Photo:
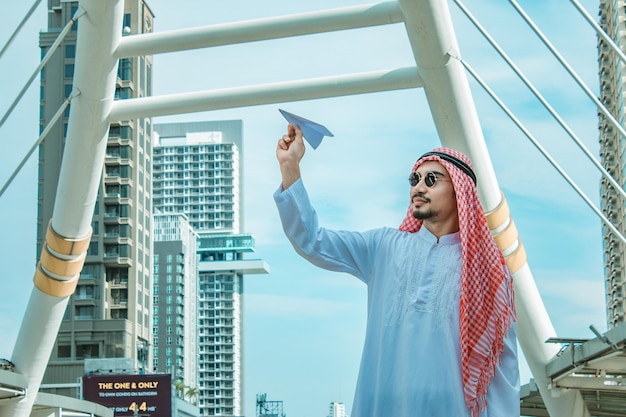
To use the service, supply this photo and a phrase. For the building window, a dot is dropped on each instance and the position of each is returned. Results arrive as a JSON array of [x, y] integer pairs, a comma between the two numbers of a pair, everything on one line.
[[90, 271], [93, 249], [64, 351], [70, 51], [119, 313], [127, 21], [69, 71], [88, 351], [125, 69], [84, 312]]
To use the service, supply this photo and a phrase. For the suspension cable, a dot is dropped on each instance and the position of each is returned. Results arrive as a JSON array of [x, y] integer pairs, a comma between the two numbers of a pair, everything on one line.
[[601, 32], [542, 100], [43, 62], [38, 142], [29, 13], [537, 145], [616, 124]]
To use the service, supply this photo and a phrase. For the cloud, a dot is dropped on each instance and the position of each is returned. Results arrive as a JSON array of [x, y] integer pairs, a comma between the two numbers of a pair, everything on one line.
[[573, 300]]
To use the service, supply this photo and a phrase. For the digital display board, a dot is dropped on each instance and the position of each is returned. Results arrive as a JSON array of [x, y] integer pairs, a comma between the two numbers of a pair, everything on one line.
[[131, 395]]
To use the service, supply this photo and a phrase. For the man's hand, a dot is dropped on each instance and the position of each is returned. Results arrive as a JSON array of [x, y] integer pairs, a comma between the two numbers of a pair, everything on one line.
[[289, 152]]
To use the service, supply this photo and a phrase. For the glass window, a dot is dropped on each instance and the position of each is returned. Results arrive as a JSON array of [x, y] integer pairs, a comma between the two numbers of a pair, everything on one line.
[[84, 312], [90, 271], [125, 132], [69, 70], [64, 351], [88, 351], [70, 51], [127, 20], [125, 69], [93, 249], [75, 25]]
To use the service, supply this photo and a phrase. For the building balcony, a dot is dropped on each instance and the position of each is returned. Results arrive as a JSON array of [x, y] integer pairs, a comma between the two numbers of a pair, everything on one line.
[[118, 284], [118, 303], [113, 259], [116, 140]]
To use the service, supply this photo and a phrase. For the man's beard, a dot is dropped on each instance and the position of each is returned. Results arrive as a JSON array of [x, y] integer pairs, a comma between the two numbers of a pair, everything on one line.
[[423, 215]]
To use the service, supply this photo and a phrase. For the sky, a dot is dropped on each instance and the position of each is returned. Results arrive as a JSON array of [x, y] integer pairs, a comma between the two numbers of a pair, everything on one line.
[[304, 327]]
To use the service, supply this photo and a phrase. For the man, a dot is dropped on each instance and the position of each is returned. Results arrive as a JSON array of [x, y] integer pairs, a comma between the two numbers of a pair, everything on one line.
[[440, 337]]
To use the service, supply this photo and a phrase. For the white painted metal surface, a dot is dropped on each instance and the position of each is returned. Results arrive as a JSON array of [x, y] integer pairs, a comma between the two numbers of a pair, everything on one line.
[[375, 81]]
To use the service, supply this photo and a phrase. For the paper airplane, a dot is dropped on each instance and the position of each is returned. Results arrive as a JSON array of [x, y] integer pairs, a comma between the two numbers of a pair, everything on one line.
[[311, 131]]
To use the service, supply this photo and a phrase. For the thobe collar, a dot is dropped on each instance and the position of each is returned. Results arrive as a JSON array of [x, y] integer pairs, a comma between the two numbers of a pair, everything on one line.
[[450, 239]]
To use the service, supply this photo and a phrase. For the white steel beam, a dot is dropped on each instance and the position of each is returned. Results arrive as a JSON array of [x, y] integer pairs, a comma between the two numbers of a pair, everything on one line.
[[260, 29], [68, 234], [385, 80]]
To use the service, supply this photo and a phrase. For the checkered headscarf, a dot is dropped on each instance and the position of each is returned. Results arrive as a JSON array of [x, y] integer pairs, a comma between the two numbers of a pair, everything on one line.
[[486, 300]]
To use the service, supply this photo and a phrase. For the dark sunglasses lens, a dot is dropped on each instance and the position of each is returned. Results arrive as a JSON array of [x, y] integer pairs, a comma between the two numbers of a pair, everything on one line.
[[430, 179], [414, 179]]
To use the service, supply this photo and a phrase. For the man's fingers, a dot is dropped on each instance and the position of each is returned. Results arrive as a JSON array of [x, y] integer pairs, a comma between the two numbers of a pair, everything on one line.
[[284, 142], [291, 131]]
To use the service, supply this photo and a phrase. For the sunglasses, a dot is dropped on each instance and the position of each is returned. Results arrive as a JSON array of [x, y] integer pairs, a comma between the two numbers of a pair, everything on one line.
[[430, 179]]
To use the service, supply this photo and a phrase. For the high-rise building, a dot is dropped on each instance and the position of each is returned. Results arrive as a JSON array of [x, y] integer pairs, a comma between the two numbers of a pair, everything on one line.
[[174, 299], [197, 172], [110, 314], [613, 154], [337, 409]]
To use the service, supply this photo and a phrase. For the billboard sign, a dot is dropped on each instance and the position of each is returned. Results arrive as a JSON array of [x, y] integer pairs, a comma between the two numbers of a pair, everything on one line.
[[131, 395]]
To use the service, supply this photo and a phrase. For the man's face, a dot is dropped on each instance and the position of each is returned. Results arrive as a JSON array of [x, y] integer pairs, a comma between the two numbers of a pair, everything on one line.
[[435, 204]]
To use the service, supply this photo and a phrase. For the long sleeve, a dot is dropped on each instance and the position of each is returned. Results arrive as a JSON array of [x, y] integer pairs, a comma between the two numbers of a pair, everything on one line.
[[340, 251]]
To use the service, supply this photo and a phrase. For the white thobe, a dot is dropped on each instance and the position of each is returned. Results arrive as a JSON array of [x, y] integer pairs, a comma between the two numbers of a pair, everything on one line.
[[411, 363]]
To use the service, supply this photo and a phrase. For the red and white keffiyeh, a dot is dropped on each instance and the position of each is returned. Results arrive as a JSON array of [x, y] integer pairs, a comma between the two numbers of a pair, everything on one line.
[[486, 301]]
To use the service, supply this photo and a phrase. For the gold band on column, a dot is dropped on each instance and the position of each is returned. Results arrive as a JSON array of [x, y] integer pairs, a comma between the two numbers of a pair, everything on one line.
[[517, 259], [54, 287], [64, 245], [60, 263], [508, 236], [498, 215], [62, 267]]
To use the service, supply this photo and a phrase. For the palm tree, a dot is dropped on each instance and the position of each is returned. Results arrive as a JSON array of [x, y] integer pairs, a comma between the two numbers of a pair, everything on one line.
[[179, 386], [192, 395]]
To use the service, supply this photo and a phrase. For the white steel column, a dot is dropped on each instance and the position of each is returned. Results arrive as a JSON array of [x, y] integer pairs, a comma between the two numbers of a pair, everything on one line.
[[436, 51], [68, 235]]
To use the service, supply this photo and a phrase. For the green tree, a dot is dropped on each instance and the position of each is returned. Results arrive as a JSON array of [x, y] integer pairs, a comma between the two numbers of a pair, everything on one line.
[[192, 395]]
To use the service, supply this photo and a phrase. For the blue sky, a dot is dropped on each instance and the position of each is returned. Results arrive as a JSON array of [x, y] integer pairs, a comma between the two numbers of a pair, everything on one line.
[[304, 327]]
